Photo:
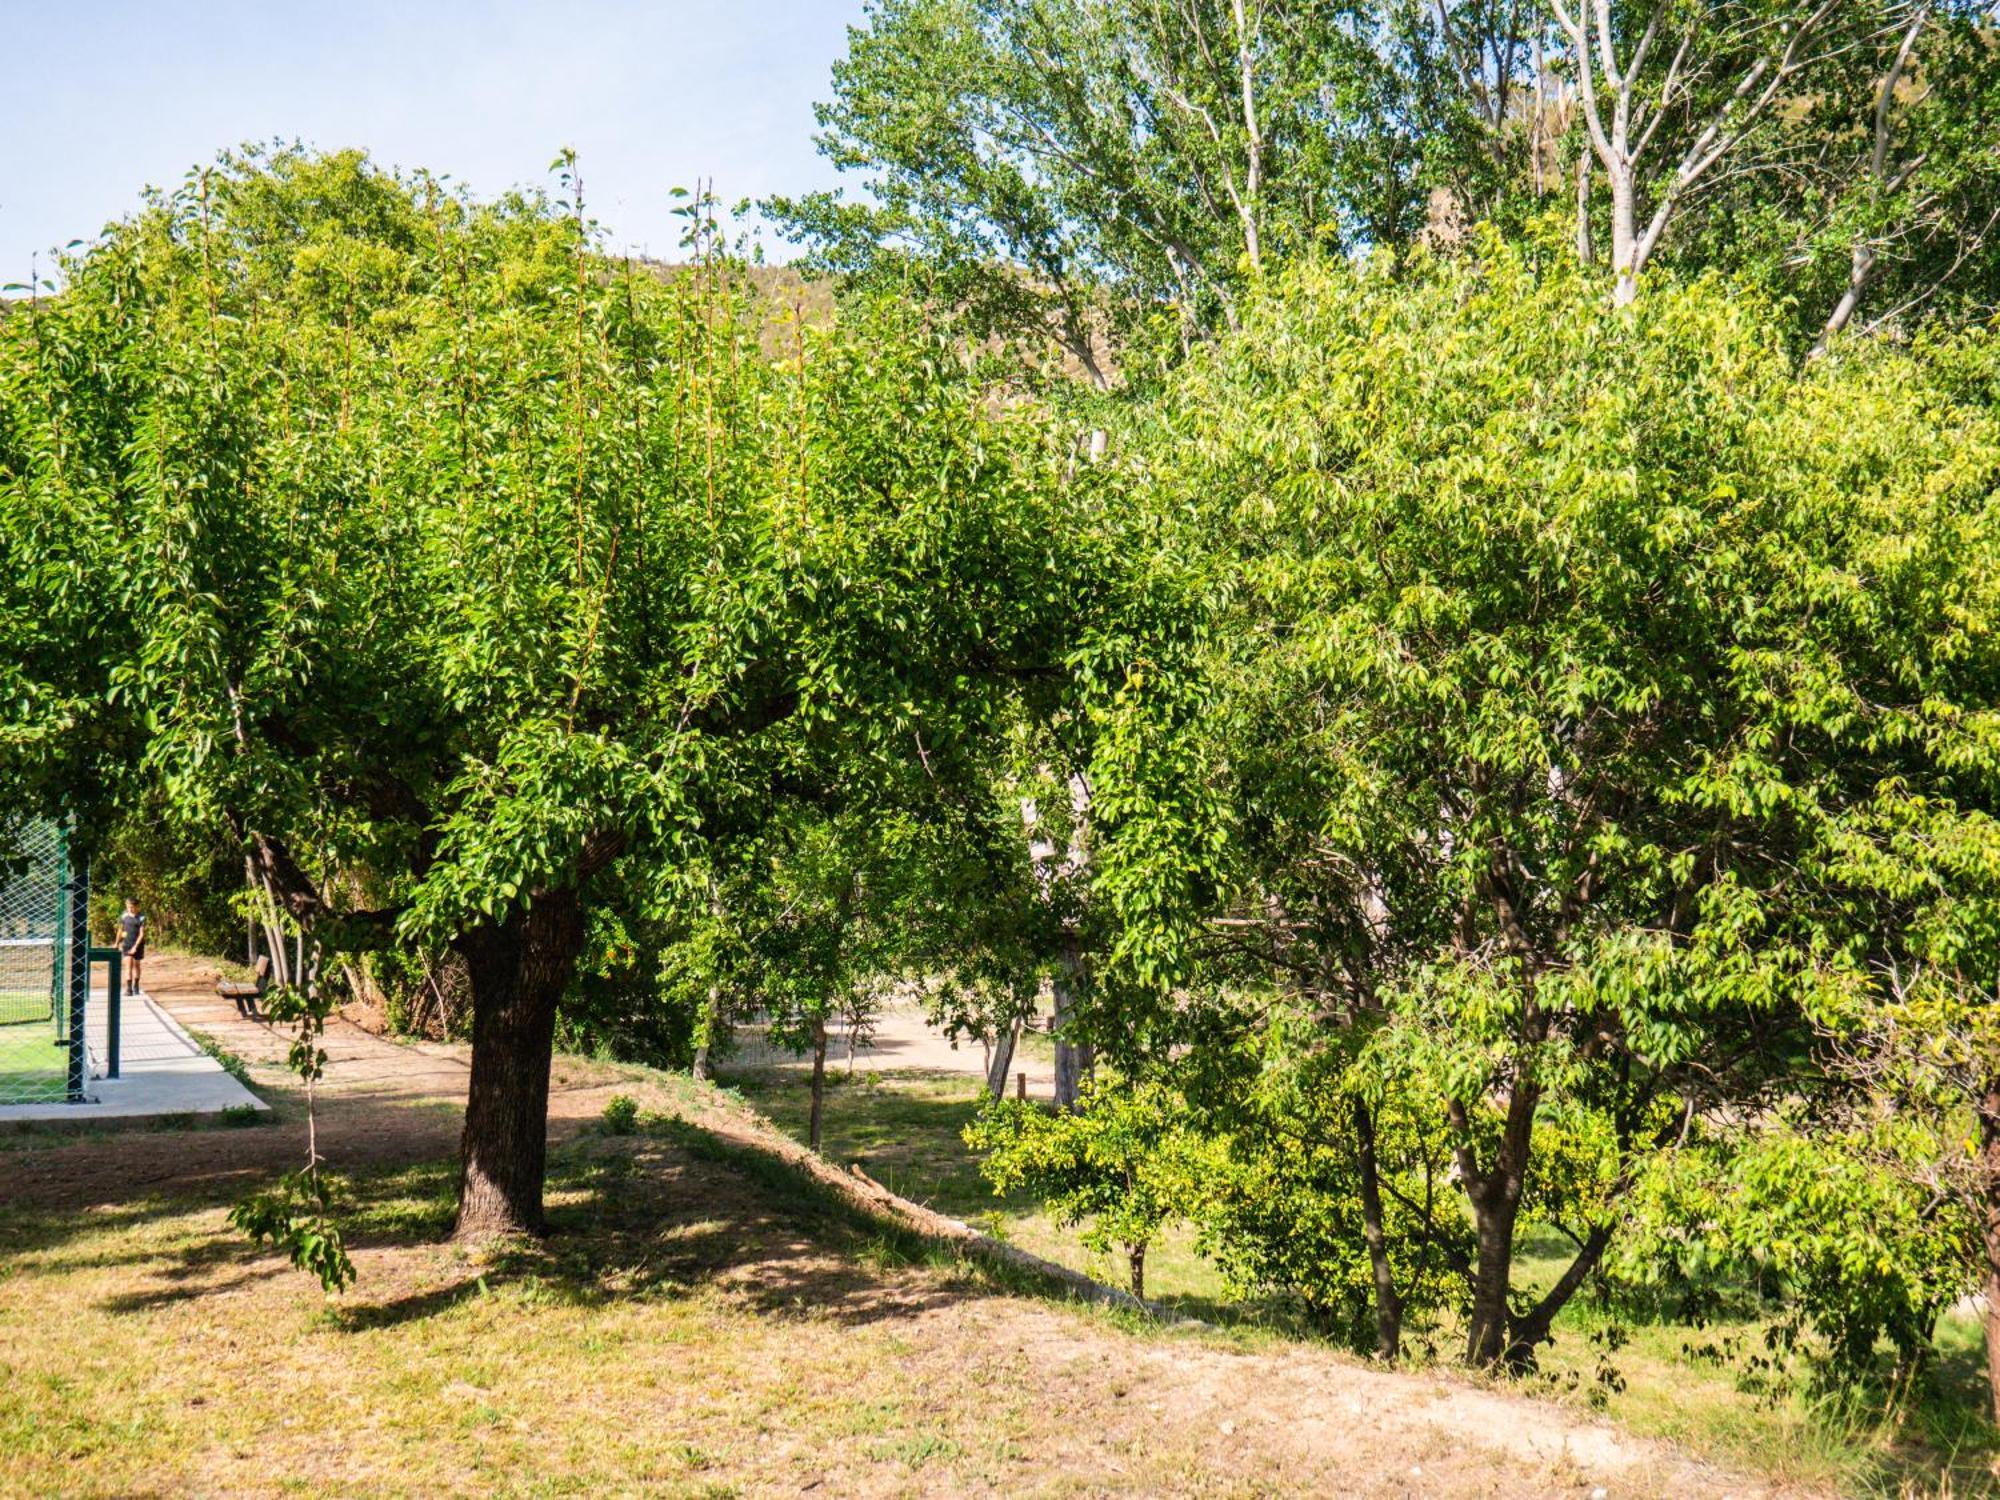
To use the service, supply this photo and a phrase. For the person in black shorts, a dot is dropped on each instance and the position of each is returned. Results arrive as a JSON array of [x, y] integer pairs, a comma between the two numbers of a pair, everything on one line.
[[132, 942]]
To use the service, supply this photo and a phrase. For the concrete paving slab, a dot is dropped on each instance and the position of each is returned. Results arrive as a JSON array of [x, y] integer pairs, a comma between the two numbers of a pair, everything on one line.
[[163, 1071]]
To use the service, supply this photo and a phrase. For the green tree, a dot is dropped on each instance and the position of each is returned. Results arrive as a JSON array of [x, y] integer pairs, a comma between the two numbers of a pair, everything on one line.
[[1120, 1163], [1844, 150], [460, 574], [1065, 170], [1557, 644]]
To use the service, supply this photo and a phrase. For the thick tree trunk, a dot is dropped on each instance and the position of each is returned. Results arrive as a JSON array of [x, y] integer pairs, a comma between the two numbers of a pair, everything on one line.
[[1388, 1302], [1001, 1060], [818, 1083], [1624, 238], [1136, 1254], [518, 971], [1487, 1339], [1495, 1197]]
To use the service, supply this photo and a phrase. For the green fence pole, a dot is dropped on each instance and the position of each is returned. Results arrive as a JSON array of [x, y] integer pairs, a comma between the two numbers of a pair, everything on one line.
[[79, 978], [114, 1001], [58, 930]]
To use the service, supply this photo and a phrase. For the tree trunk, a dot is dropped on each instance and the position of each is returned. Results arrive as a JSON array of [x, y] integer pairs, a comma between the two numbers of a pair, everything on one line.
[[1583, 251], [1388, 1302], [1001, 1060], [518, 971], [818, 1082], [1071, 1060], [1495, 1197], [1137, 1255], [1488, 1338], [1624, 238], [1989, 1163], [704, 1033]]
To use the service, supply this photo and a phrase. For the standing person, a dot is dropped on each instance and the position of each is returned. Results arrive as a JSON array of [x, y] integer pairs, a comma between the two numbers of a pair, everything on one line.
[[132, 942]]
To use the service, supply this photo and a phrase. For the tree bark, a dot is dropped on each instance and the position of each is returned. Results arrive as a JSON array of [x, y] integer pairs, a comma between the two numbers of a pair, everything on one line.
[[818, 1082], [1136, 1254], [1071, 1060], [1495, 1196], [518, 971], [1989, 1164], [1388, 1302], [1624, 238], [1583, 247], [1001, 1060], [1487, 1339]]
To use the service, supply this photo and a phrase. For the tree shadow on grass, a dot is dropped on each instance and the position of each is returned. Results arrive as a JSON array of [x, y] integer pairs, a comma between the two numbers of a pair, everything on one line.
[[672, 1211], [678, 1209]]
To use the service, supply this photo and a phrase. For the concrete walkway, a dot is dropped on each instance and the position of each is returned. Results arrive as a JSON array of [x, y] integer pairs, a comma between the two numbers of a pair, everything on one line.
[[162, 1071]]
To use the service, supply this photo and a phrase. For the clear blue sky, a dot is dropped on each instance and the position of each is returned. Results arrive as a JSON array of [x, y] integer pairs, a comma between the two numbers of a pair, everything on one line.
[[104, 97]]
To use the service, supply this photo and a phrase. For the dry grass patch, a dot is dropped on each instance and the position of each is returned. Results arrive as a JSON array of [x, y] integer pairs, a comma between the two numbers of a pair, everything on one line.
[[712, 1315]]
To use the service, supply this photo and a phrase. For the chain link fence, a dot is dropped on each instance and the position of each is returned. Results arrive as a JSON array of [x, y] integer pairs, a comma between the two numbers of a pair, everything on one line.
[[42, 992]]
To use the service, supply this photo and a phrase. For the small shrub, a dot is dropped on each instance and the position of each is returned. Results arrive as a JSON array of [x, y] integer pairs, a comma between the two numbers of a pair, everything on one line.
[[621, 1114], [236, 1116]]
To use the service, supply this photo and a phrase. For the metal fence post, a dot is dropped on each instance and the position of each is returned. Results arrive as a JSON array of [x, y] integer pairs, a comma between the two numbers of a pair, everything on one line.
[[78, 886], [114, 1003]]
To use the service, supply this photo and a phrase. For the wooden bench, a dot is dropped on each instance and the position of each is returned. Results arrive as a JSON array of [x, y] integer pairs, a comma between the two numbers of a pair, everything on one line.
[[246, 996]]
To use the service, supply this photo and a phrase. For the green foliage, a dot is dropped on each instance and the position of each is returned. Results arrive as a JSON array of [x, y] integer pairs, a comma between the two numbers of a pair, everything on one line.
[[1121, 1163], [1557, 657], [1807, 1217], [1285, 1107], [445, 568], [1072, 170], [1117, 178], [621, 1114], [296, 1215], [557, 523]]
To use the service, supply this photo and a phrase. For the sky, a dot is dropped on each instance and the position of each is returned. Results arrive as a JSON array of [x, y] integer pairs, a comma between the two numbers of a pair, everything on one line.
[[111, 96]]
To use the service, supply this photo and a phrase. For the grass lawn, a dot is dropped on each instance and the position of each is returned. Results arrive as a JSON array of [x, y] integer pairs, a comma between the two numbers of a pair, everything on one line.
[[708, 1318], [1692, 1385], [32, 1066]]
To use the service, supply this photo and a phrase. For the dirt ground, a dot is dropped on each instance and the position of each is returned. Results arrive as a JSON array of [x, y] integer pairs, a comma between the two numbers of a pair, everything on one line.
[[382, 1102], [900, 1040], [687, 1330]]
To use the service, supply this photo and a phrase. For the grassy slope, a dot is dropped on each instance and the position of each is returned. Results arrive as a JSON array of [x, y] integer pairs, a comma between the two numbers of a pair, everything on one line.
[[709, 1318], [1679, 1382]]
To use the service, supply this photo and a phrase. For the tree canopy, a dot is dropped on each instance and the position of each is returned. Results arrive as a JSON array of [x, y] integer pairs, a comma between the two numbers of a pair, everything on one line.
[[461, 572]]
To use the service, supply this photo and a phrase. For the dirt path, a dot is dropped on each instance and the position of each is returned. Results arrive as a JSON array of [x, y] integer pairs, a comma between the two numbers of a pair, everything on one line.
[[381, 1103], [1278, 1420], [903, 1040]]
